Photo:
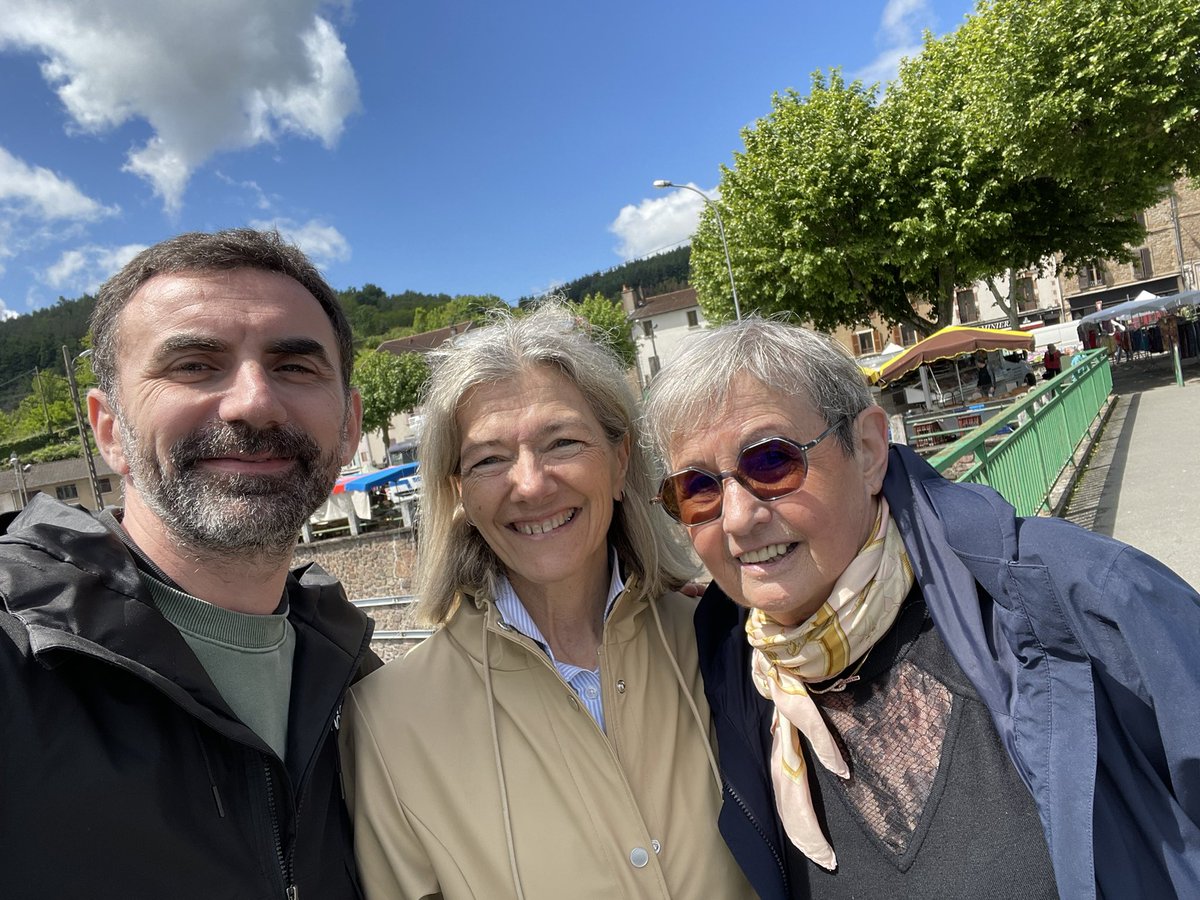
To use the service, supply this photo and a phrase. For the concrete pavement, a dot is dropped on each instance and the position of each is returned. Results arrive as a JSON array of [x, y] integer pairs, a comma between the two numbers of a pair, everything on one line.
[[1142, 482]]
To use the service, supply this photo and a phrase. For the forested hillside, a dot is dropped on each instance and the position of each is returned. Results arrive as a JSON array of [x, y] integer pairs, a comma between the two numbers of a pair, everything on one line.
[[35, 341], [655, 275]]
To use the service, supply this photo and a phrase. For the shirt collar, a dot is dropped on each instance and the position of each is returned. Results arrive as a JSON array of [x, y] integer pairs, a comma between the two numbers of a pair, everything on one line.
[[513, 612]]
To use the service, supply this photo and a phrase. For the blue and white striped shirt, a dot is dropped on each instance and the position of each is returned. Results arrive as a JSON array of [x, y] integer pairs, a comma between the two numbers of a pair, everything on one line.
[[584, 682]]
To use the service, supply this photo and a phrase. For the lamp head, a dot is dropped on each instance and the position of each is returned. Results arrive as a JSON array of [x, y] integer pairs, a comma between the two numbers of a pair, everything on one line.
[[662, 183]]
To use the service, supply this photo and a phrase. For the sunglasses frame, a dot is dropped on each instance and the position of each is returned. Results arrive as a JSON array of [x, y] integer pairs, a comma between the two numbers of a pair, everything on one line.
[[721, 477]]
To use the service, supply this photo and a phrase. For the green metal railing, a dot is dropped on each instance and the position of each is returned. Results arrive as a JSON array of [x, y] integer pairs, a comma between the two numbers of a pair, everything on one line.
[[1023, 449]]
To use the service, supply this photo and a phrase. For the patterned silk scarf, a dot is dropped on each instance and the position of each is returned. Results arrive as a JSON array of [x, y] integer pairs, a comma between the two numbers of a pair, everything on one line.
[[863, 606]]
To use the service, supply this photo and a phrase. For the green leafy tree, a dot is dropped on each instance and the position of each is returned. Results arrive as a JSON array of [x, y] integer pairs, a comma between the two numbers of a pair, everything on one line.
[[463, 308], [45, 409], [389, 383], [1039, 128], [807, 228], [610, 326]]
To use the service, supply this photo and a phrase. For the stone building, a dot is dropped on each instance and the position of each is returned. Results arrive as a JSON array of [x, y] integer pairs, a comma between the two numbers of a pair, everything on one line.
[[1167, 262]]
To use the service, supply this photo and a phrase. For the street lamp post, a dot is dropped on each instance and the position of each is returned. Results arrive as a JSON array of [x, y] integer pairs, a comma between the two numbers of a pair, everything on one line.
[[663, 183], [69, 364], [19, 471]]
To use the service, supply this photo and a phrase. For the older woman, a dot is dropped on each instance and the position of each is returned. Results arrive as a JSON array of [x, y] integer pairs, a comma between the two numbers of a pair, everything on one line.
[[551, 739], [947, 700]]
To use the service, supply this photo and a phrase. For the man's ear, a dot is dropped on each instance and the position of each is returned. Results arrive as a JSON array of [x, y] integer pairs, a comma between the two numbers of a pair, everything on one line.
[[109, 439], [353, 427], [872, 433]]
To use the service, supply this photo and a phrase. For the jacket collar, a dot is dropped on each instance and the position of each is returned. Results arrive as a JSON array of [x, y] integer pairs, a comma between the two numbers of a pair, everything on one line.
[[475, 611]]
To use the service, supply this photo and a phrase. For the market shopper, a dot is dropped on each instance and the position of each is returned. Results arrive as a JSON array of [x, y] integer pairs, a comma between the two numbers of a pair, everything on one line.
[[169, 689], [1052, 361], [551, 739], [916, 692]]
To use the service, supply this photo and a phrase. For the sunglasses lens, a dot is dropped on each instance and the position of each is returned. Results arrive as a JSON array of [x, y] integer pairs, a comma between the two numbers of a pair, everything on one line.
[[773, 468], [692, 497]]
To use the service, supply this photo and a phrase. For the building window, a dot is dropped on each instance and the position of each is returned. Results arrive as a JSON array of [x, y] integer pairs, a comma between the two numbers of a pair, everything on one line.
[[66, 492], [1140, 218], [864, 341], [655, 366], [693, 319], [647, 328], [105, 485], [1091, 275], [908, 336], [968, 306], [1026, 294], [1142, 266]]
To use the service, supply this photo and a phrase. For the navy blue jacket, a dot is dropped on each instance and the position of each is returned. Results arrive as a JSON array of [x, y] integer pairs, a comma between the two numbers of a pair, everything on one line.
[[1084, 651]]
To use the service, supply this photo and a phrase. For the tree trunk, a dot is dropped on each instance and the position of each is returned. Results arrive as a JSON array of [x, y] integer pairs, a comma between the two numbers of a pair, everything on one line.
[[1008, 305]]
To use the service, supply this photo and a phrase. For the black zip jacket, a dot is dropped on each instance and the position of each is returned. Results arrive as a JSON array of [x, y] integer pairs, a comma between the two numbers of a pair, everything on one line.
[[123, 772]]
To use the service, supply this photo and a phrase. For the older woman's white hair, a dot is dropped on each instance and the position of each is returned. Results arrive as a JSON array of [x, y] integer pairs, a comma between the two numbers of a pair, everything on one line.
[[454, 558], [789, 360]]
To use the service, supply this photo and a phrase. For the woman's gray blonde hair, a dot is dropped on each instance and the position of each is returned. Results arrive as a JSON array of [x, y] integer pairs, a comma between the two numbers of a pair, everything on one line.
[[452, 557], [786, 359]]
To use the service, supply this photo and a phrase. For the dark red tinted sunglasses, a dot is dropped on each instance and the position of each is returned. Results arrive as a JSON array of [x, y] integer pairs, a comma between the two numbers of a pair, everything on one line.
[[769, 469]]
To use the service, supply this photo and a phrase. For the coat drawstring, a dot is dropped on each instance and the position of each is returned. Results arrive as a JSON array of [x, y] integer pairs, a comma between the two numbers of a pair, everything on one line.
[[212, 781], [491, 705], [686, 690]]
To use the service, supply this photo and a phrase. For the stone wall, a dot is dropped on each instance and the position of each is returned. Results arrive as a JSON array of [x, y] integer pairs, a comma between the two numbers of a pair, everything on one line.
[[378, 564]]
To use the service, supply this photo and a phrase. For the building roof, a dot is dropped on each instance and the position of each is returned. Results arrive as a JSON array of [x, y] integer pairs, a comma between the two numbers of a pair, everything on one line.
[[665, 303], [426, 340], [48, 475]]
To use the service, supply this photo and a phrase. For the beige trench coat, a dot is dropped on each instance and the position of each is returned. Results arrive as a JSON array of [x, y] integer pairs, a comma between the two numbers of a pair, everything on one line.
[[630, 814]]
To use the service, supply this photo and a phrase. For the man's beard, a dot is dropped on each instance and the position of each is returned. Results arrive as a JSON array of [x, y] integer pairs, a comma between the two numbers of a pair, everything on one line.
[[220, 512]]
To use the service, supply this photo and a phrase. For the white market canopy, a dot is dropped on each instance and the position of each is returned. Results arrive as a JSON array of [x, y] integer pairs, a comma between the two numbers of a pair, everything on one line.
[[1141, 304]]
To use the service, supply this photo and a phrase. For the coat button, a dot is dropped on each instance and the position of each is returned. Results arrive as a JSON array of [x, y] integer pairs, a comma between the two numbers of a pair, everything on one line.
[[657, 847], [621, 686], [573, 701], [639, 857]]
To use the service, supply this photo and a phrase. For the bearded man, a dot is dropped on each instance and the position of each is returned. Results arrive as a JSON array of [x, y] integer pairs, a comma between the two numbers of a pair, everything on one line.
[[170, 691]]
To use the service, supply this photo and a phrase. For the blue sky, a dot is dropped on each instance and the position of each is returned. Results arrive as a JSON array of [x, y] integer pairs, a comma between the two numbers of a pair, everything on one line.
[[461, 147]]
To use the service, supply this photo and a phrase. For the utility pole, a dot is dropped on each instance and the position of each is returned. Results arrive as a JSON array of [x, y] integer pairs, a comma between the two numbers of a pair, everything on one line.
[[41, 389], [83, 439]]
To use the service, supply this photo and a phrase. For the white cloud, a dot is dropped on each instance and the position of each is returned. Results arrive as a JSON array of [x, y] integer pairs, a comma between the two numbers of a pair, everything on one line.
[[261, 200], [323, 243], [899, 35], [658, 223], [35, 192], [84, 269], [6, 313], [38, 206], [211, 76]]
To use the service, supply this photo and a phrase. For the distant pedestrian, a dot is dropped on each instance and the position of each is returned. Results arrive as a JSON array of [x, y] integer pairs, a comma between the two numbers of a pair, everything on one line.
[[983, 379], [1121, 338], [1052, 361]]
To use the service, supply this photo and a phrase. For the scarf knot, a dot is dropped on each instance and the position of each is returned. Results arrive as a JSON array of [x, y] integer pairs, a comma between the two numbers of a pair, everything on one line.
[[862, 607]]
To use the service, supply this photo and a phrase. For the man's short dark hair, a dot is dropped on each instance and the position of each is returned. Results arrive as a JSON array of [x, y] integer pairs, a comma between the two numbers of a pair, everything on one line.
[[201, 252]]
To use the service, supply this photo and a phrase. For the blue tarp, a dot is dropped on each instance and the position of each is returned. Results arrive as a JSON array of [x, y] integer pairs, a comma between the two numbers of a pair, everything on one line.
[[378, 479]]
